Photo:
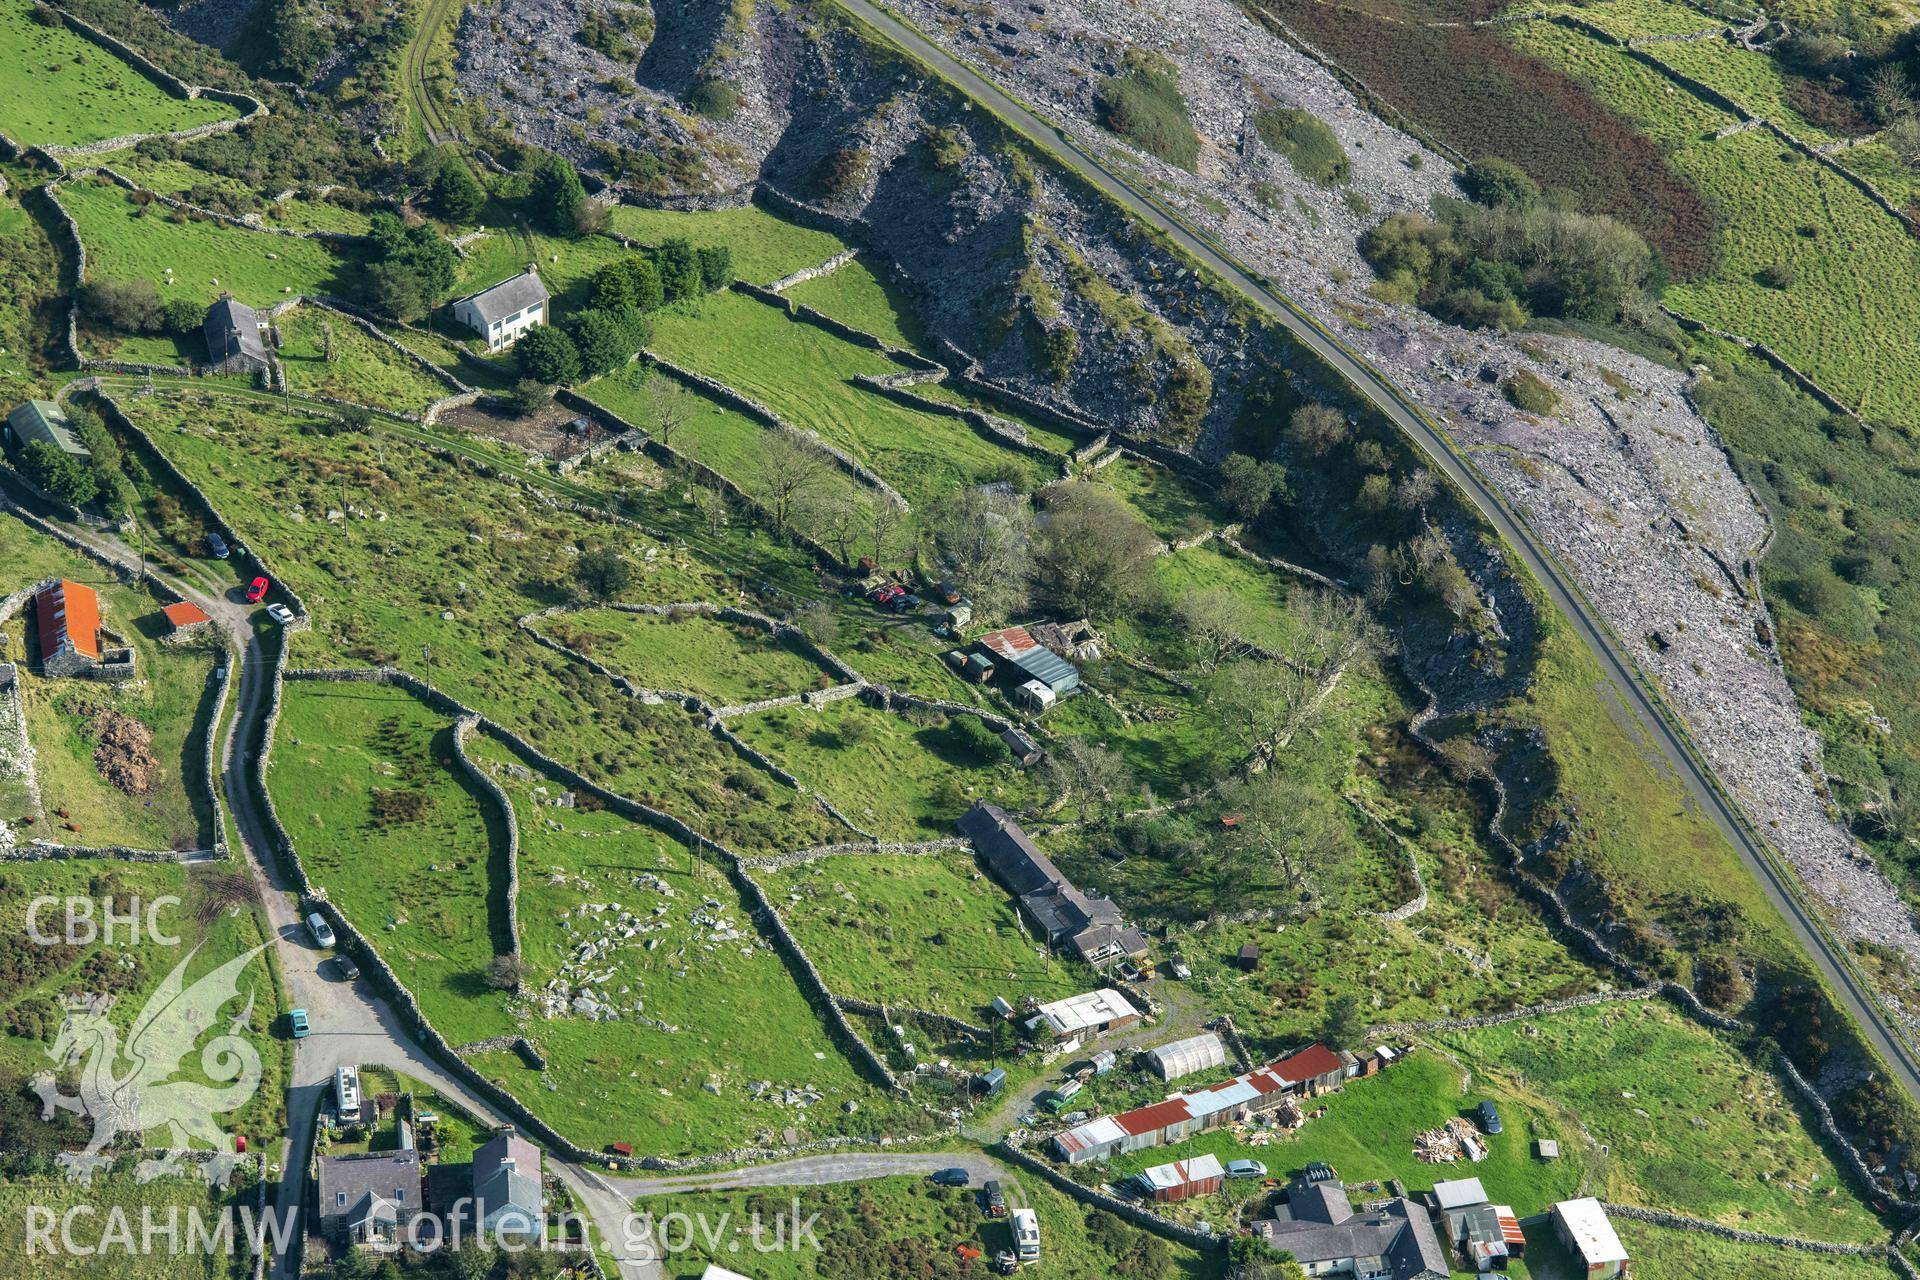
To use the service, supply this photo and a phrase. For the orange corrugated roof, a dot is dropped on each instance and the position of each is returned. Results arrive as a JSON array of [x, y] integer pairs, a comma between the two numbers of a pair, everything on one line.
[[1010, 642], [185, 614], [69, 614]]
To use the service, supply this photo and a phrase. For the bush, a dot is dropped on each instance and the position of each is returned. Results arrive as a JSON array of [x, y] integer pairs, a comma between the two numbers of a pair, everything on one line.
[[546, 354], [1528, 391], [603, 573], [59, 473], [631, 281], [605, 340], [182, 315], [679, 265], [530, 396], [842, 172], [716, 267], [1307, 143], [1500, 184], [1778, 275], [130, 306], [555, 198], [714, 99], [1144, 105], [456, 194]]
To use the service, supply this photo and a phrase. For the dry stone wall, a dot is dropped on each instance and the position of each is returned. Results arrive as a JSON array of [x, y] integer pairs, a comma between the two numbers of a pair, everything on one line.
[[462, 728]]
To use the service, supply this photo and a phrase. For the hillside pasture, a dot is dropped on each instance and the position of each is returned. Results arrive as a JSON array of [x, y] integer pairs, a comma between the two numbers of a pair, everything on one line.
[[57, 88], [727, 663], [362, 369], [855, 294], [930, 932], [895, 778], [411, 851], [128, 240], [765, 246], [805, 374], [699, 996]]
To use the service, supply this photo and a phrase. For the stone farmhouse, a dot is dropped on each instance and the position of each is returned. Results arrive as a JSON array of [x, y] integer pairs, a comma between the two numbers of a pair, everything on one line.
[[369, 1200], [1327, 1236], [234, 343], [1085, 924], [502, 312]]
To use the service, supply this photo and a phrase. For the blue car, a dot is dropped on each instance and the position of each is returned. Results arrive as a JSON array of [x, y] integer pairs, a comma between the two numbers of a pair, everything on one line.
[[950, 1178], [217, 545], [297, 1023], [1489, 1118]]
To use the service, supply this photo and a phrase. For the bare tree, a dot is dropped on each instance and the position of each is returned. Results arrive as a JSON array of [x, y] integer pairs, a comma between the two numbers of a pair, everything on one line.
[[714, 508], [885, 522], [844, 519], [672, 409], [790, 470], [1090, 776], [984, 540], [1288, 838], [1264, 705], [1094, 554], [1216, 624]]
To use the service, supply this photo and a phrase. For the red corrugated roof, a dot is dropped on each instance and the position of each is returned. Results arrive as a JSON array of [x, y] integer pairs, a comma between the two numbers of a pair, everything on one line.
[[1010, 642], [1154, 1118], [1510, 1227], [186, 614], [69, 614], [1310, 1063]]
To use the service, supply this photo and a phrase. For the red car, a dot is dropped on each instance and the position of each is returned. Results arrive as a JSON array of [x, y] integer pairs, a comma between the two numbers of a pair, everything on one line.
[[257, 590]]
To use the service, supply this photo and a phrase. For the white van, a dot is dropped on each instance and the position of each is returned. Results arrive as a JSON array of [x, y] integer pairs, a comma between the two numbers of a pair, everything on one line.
[[1026, 1235], [322, 931]]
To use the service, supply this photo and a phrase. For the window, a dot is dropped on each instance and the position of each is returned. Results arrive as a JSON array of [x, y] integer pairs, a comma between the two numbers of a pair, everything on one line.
[[399, 1195], [340, 1199]]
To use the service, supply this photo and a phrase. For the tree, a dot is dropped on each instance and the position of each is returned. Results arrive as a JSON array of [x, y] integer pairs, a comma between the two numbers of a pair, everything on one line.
[[672, 409], [628, 282], [1500, 183], [789, 470], [1216, 625], [455, 193], [716, 267], [396, 290], [844, 521], [605, 340], [1262, 705], [547, 354], [503, 972], [1093, 554], [603, 572], [983, 540], [714, 507], [555, 196], [817, 622], [1093, 778], [529, 396], [59, 473], [1345, 1023], [1248, 485], [1289, 837], [1889, 93], [679, 265], [1315, 429], [130, 306], [182, 315]]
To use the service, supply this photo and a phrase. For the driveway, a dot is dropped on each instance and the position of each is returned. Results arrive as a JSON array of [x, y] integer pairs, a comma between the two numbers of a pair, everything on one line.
[[820, 1171]]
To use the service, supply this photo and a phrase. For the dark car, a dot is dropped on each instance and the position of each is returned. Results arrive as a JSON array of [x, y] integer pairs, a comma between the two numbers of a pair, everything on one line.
[[217, 546], [1489, 1118], [950, 1178], [994, 1199]]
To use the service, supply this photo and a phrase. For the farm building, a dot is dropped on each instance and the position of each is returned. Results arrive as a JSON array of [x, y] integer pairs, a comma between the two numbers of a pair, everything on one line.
[[1180, 1179], [185, 618], [1583, 1227], [234, 344], [1087, 1015], [502, 312], [1088, 925], [1186, 1114], [1318, 1225], [370, 1199], [1489, 1235], [1249, 957], [1203, 1052], [1025, 750], [45, 422], [1025, 661], [73, 640]]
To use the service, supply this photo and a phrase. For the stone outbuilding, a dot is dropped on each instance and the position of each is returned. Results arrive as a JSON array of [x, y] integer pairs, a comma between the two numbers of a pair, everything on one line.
[[73, 639], [234, 343]]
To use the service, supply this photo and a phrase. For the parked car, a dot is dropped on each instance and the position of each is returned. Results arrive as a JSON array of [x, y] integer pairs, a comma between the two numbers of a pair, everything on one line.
[[322, 931], [297, 1023], [955, 1177], [217, 546], [1489, 1118], [994, 1199], [1246, 1169], [257, 590], [347, 968], [280, 614]]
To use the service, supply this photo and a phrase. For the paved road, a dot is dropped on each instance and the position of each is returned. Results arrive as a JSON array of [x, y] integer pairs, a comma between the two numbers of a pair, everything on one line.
[[817, 1171], [1397, 406]]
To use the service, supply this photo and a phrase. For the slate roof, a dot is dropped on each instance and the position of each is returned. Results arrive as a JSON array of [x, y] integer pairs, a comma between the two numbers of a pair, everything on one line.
[[44, 420], [506, 1176], [508, 297], [1011, 855], [232, 329], [382, 1188], [1399, 1231]]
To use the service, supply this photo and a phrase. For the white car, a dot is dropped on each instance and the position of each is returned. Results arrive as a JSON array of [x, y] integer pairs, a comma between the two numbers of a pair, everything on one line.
[[1246, 1169], [280, 614], [322, 931]]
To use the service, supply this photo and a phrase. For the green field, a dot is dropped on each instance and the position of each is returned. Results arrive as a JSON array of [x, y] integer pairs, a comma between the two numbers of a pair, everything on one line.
[[58, 88], [1688, 1255], [1749, 77], [1172, 505], [1633, 19], [363, 369], [723, 1010], [854, 294], [457, 538], [171, 694], [899, 780], [929, 932], [764, 246], [115, 1203], [177, 177], [727, 663], [804, 374], [914, 1226], [402, 841], [128, 241], [1846, 315], [1705, 1134]]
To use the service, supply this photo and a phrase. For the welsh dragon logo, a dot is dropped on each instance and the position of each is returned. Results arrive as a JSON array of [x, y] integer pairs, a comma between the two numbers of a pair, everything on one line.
[[146, 1097]]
